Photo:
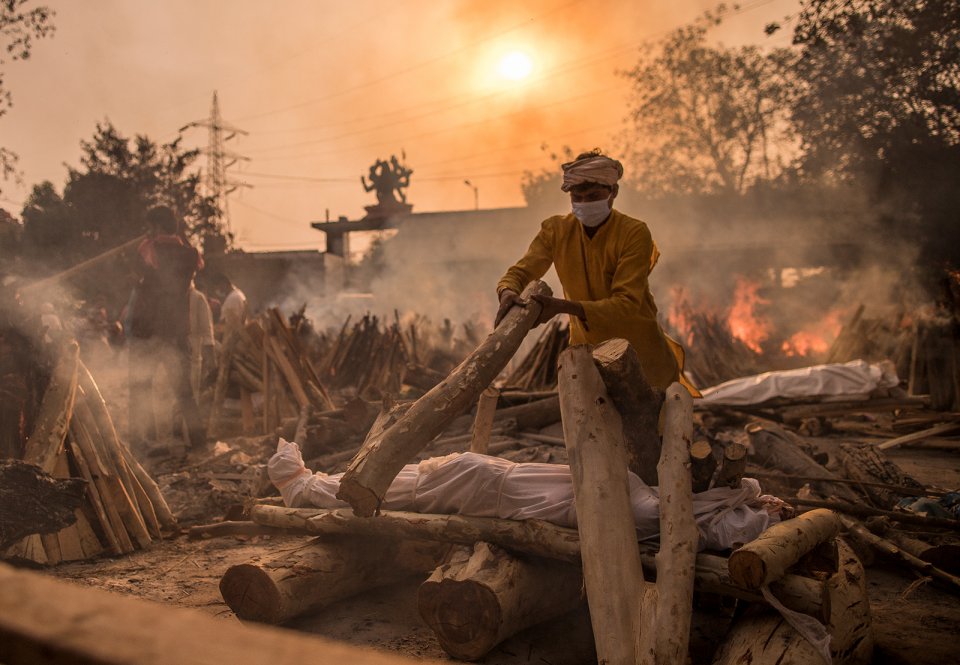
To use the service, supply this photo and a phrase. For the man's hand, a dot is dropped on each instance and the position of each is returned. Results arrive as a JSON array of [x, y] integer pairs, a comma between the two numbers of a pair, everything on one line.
[[553, 306], [508, 298]]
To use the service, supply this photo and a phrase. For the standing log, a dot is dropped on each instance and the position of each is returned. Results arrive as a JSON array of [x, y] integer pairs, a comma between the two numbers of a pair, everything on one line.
[[322, 572], [483, 423], [733, 465], [598, 465], [760, 636], [773, 449], [636, 401], [847, 609], [702, 465], [380, 459], [768, 557], [46, 442], [483, 595], [665, 636]]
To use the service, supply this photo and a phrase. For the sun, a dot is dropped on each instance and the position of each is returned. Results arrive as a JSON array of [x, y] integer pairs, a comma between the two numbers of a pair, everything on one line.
[[515, 66]]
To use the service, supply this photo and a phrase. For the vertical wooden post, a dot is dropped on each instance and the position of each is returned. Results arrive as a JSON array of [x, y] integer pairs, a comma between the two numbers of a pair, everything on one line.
[[483, 422], [608, 536]]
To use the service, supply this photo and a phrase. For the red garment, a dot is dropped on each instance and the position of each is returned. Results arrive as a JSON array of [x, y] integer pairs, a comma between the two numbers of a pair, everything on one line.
[[161, 306]]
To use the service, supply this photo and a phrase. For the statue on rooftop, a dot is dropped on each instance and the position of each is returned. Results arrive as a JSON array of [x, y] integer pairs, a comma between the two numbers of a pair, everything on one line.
[[388, 179]]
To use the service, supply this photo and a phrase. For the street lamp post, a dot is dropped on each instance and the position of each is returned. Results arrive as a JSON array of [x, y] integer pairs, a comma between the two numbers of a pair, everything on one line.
[[476, 194]]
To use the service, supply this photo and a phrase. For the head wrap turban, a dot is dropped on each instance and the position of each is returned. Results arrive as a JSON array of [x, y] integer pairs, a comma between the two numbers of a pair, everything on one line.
[[596, 168]]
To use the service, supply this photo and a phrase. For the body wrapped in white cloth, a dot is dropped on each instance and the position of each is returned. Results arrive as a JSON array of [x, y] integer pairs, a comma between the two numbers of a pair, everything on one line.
[[484, 486]]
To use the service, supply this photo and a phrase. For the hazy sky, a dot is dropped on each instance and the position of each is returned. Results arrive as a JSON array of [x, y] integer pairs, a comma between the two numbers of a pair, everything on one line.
[[325, 88]]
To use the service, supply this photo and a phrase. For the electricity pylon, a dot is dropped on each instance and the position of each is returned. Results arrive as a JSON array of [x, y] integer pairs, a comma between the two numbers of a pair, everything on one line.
[[218, 185]]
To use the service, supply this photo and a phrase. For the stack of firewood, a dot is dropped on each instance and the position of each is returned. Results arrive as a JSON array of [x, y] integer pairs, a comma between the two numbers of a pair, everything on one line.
[[538, 369], [713, 354], [367, 358], [74, 436], [874, 340], [266, 356]]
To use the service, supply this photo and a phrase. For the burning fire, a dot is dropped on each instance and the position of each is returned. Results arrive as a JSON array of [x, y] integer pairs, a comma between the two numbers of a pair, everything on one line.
[[743, 320], [678, 314], [817, 339]]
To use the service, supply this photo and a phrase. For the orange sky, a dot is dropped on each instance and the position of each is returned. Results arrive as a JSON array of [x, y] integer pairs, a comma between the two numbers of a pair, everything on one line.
[[325, 88]]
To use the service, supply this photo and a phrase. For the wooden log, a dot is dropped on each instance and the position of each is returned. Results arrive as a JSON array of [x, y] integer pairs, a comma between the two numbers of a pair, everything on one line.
[[93, 493], [867, 463], [163, 512], [703, 464], [768, 557], [421, 377], [483, 422], [760, 636], [847, 609], [914, 437], [33, 502], [598, 466], [637, 403], [484, 595], [773, 449], [733, 465], [898, 489], [322, 572], [860, 533], [860, 510], [53, 419], [532, 537], [945, 556], [107, 628], [665, 635], [220, 386], [231, 528], [381, 458]]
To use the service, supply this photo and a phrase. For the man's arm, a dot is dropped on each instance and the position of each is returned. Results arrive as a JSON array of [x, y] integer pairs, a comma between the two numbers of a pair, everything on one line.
[[533, 265]]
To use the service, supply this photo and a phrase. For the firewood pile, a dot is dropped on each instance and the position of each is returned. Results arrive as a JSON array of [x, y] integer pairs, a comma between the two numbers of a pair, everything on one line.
[[369, 358], [538, 368], [73, 436], [713, 354]]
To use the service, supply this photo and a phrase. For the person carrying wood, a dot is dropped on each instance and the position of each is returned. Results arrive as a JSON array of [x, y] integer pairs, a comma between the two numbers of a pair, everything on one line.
[[604, 259], [160, 325]]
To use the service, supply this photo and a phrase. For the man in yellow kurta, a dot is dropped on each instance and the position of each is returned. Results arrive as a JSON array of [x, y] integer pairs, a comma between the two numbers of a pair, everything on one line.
[[604, 259]]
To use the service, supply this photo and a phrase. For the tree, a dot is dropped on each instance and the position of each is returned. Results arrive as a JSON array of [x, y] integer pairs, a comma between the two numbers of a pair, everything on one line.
[[707, 118], [104, 202], [878, 103], [19, 27]]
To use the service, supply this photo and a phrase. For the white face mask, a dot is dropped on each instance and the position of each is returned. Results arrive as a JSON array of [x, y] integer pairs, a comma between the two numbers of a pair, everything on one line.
[[592, 213]]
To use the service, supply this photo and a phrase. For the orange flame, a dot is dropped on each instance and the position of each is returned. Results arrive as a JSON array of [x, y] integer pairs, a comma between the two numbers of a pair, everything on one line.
[[817, 339], [678, 314], [743, 320]]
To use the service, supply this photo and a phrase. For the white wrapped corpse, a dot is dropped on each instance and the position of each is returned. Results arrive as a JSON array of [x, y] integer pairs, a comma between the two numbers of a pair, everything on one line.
[[484, 486]]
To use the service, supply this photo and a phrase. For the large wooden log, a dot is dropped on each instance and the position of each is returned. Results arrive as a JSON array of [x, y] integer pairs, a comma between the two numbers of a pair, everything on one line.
[[703, 463], [50, 621], [483, 595], [773, 448], [598, 465], [46, 441], [320, 573], [762, 637], [382, 457], [483, 421], [637, 403], [732, 466], [665, 635], [531, 537], [768, 557]]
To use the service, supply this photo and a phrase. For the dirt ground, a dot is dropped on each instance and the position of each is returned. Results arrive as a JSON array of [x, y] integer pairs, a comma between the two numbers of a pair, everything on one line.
[[914, 621]]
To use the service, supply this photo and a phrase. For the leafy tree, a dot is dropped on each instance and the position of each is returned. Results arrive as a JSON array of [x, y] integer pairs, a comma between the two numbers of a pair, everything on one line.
[[104, 201], [19, 27], [708, 118], [878, 103]]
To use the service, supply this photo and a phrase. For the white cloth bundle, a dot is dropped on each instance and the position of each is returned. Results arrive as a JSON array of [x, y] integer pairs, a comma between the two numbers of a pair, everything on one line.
[[483, 486]]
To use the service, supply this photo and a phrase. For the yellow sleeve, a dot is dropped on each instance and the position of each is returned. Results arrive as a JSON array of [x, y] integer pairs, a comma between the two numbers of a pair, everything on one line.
[[534, 264], [627, 288]]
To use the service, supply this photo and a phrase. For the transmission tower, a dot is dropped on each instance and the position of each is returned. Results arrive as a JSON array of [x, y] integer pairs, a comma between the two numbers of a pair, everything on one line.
[[219, 159]]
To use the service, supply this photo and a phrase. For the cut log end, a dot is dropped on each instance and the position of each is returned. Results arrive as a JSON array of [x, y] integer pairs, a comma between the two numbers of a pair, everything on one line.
[[252, 595], [464, 615], [364, 501], [750, 569]]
